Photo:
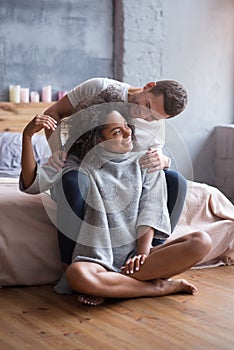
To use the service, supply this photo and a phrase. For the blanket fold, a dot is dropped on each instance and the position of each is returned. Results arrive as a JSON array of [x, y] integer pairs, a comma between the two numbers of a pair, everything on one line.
[[207, 209]]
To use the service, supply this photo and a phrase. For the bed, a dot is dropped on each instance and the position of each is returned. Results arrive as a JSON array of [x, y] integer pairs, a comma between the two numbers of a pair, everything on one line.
[[29, 253]]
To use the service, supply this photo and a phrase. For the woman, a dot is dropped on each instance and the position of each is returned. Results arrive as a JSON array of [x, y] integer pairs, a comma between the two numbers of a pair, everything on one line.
[[113, 256]]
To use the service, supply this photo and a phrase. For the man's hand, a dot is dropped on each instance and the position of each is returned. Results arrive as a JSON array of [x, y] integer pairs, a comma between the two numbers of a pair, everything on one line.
[[57, 160], [134, 264], [153, 160]]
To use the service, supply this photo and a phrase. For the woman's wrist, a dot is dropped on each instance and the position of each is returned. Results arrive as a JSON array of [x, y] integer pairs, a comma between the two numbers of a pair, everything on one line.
[[27, 135]]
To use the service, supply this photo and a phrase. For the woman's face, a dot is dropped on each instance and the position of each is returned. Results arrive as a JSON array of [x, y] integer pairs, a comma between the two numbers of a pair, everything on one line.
[[117, 135]]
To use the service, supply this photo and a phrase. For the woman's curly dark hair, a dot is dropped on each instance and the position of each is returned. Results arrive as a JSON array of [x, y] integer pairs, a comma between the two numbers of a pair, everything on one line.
[[91, 138]]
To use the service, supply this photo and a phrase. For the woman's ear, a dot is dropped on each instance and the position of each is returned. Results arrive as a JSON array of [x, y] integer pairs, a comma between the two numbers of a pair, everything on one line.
[[98, 135], [149, 85], [99, 140]]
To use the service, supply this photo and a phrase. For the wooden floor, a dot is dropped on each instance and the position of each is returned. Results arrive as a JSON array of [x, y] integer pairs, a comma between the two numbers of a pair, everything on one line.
[[36, 318]]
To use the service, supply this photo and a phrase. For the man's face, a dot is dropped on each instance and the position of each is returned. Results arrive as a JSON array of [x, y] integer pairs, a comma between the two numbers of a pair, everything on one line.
[[147, 106]]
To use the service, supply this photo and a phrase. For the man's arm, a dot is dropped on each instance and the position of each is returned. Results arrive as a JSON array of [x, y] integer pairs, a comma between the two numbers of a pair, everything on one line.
[[65, 107], [59, 110]]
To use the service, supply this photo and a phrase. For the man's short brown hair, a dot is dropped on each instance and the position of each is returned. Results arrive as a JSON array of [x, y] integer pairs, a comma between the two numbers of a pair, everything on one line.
[[175, 96]]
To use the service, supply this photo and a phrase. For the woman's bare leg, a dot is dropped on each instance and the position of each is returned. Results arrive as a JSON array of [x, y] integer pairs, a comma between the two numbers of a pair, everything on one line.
[[93, 279], [165, 261], [174, 257]]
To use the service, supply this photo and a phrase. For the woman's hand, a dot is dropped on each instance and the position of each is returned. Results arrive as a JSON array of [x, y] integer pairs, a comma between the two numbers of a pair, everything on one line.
[[154, 160], [38, 123], [134, 264]]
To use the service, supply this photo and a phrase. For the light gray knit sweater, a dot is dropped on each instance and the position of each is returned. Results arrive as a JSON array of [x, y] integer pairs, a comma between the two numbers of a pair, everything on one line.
[[121, 198]]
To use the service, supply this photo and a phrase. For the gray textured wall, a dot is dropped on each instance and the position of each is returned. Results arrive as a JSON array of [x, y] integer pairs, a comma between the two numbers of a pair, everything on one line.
[[199, 51], [192, 42], [63, 42], [143, 37], [56, 42]]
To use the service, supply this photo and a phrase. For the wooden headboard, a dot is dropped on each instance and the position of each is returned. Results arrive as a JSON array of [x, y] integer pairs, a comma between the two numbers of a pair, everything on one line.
[[14, 116]]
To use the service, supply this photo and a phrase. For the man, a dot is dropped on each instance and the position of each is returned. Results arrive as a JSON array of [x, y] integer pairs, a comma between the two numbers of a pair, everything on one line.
[[165, 99], [156, 100]]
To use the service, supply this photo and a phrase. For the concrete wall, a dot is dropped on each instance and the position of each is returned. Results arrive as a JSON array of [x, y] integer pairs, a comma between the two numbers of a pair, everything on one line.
[[65, 42], [56, 42], [143, 37], [224, 159], [192, 42]]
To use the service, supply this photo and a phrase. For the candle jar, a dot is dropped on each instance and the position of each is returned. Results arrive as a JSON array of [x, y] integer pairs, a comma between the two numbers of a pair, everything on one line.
[[24, 95], [14, 93], [47, 94], [34, 97]]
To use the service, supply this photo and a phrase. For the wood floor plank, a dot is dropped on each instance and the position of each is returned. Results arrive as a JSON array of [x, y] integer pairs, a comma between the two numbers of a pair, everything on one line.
[[37, 318]]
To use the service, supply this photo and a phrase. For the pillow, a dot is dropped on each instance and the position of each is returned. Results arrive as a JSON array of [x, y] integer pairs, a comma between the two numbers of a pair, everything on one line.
[[10, 152]]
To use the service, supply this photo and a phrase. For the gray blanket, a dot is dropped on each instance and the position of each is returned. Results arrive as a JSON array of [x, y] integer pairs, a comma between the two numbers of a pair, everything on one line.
[[121, 198]]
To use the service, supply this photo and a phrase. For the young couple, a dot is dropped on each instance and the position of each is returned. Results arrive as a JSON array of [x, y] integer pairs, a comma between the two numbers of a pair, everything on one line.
[[154, 102], [113, 255]]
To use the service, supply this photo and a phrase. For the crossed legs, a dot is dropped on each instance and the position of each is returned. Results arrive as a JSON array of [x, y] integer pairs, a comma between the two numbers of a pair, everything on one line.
[[153, 279]]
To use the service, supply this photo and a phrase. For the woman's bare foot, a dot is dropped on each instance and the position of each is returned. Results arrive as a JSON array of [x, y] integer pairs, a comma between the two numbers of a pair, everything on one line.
[[161, 287], [173, 286], [90, 300]]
